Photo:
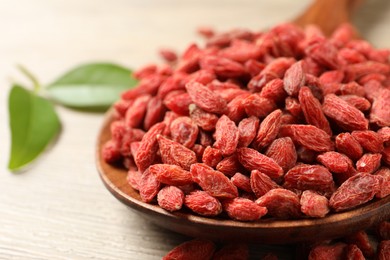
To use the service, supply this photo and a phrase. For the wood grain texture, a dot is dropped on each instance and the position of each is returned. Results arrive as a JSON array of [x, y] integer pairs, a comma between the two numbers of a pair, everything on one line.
[[59, 208]]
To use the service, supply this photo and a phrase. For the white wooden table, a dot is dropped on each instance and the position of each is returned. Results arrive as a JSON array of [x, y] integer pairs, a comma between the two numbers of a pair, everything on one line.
[[58, 208]]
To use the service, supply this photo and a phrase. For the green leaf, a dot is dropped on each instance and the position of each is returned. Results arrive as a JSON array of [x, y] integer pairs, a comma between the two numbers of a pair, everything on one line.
[[91, 85], [34, 123]]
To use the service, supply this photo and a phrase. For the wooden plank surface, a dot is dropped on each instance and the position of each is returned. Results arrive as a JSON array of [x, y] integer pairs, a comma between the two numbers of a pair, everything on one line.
[[58, 208]]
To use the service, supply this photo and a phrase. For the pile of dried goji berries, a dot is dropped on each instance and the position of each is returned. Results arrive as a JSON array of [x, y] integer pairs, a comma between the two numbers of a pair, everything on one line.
[[284, 123]]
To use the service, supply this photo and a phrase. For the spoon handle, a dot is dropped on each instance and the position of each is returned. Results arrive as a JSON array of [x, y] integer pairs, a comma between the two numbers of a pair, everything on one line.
[[328, 14]]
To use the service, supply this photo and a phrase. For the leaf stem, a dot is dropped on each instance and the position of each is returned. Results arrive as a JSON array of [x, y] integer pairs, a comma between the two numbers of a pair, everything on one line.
[[30, 76]]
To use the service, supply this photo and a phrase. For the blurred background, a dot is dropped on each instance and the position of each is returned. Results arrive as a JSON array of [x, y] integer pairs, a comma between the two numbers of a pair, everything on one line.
[[58, 208]]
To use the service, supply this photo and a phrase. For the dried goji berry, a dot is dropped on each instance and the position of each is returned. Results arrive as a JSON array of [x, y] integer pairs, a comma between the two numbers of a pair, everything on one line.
[[145, 71], [175, 153], [206, 32], [268, 130], [258, 106], [211, 156], [359, 102], [370, 141], [253, 160], [155, 111], [350, 56], [203, 203], [192, 250], [349, 146], [231, 93], [384, 133], [358, 70], [241, 181], [261, 183], [282, 150], [331, 76], [380, 108], [309, 177], [314, 204], [344, 114], [172, 83], [212, 181], [229, 165], [312, 110], [236, 108], [274, 91], [385, 182], [111, 152], [279, 66], [135, 114], [247, 129], [281, 203], [202, 76], [222, 67], [170, 198], [355, 191], [147, 86], [206, 99], [184, 130], [171, 174], [241, 51], [226, 136], [178, 102], [149, 186], [335, 162], [243, 209], [118, 130], [324, 53], [133, 178], [369, 162], [168, 55], [294, 78], [351, 88], [308, 136]]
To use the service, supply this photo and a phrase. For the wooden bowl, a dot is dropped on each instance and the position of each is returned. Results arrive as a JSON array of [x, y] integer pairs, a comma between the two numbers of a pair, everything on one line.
[[265, 231]]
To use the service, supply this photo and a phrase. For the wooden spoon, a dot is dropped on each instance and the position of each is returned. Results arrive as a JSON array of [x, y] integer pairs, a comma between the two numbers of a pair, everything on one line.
[[267, 231], [328, 14]]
